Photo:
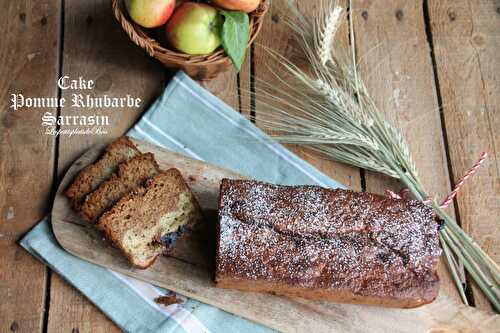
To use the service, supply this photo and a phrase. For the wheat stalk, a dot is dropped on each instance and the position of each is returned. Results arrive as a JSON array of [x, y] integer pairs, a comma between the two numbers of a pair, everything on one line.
[[327, 28], [328, 108]]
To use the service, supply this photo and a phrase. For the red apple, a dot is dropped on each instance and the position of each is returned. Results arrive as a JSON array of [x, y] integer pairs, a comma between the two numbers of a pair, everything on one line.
[[243, 5], [178, 3], [195, 28], [150, 13]]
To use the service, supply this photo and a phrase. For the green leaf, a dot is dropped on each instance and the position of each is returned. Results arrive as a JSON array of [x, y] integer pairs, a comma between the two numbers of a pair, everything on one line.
[[235, 35]]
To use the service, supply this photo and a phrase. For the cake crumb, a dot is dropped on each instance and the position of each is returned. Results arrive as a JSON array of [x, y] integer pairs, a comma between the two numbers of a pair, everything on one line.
[[168, 300]]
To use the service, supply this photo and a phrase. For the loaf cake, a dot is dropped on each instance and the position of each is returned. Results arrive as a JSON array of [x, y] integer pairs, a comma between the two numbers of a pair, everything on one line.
[[130, 175], [140, 223], [94, 174], [318, 243]]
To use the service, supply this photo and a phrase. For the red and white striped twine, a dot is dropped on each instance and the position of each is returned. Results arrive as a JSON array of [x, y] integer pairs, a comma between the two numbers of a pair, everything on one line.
[[449, 198]]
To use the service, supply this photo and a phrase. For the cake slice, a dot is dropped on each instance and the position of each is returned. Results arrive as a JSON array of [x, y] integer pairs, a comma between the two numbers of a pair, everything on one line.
[[334, 245], [131, 174], [138, 222], [94, 174]]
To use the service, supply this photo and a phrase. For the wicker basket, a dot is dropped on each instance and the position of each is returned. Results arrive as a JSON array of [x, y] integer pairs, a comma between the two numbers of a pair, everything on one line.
[[200, 67]]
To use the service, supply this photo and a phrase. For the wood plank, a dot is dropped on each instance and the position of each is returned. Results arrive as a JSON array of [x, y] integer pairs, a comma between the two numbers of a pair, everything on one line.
[[29, 58], [467, 42], [245, 83], [97, 49], [193, 278], [276, 34], [394, 57], [224, 86], [466, 39]]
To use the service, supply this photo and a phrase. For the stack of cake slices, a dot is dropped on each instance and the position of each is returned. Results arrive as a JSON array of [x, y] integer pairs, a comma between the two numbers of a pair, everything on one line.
[[137, 205]]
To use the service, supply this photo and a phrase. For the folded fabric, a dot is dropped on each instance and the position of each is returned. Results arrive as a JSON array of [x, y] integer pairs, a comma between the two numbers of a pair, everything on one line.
[[190, 120]]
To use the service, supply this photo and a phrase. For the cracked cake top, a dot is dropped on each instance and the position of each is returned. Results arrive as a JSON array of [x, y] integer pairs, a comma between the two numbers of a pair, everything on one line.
[[317, 237]]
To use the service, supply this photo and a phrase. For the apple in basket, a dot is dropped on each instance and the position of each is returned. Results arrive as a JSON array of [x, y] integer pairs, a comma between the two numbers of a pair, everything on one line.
[[195, 28], [150, 13], [243, 5]]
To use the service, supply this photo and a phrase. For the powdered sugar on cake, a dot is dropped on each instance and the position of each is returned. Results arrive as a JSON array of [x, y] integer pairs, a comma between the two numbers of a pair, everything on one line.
[[316, 237]]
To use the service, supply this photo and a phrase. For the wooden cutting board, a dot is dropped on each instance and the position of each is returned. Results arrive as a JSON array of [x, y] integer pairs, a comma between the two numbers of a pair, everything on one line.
[[192, 275]]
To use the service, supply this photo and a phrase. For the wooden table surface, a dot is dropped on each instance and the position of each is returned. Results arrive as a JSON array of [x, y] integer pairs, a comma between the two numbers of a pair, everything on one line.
[[433, 66]]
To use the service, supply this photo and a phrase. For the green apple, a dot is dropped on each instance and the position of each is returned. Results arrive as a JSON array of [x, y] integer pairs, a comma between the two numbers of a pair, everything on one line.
[[150, 13], [195, 28]]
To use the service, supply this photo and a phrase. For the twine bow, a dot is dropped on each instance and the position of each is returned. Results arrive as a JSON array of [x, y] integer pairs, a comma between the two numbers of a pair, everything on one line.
[[449, 198]]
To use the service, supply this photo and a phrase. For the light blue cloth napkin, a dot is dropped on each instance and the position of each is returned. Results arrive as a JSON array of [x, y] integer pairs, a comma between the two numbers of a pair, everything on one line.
[[190, 120]]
